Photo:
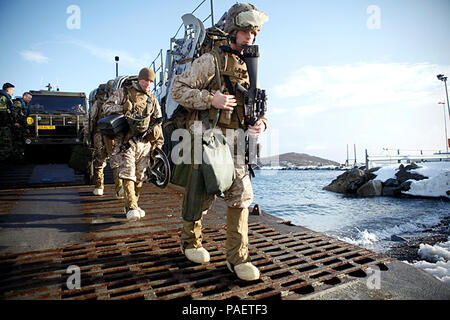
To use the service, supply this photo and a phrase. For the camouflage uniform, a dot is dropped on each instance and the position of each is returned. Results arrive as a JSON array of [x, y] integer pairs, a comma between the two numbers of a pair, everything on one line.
[[103, 145], [134, 161], [6, 126], [19, 133], [194, 89]]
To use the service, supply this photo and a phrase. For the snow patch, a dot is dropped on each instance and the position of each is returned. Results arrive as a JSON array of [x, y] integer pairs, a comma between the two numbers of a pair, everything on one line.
[[436, 260]]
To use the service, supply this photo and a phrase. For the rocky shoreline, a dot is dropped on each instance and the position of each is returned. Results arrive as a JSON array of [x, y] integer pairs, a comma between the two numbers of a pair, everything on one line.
[[398, 182], [367, 183], [407, 248]]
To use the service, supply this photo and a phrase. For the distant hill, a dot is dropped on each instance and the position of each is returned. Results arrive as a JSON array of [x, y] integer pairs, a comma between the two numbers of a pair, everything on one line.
[[297, 159]]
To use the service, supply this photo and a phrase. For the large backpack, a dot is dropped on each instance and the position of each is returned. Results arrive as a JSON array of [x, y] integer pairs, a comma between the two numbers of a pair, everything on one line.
[[214, 38]]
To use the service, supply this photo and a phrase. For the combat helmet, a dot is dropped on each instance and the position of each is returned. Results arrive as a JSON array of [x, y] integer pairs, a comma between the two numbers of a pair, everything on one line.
[[244, 16]]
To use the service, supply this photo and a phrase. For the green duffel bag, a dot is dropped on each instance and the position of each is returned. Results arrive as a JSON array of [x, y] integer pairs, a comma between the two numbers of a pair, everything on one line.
[[180, 174], [194, 194], [81, 158], [180, 171], [218, 166]]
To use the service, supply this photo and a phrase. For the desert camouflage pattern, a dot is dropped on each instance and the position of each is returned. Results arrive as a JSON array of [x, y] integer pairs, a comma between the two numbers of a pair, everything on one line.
[[133, 162], [194, 89], [100, 153], [190, 88], [240, 194]]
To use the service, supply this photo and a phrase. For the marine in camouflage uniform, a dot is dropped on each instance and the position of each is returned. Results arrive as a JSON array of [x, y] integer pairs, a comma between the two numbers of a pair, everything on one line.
[[91, 131], [141, 109], [102, 144], [6, 122], [20, 130], [197, 89]]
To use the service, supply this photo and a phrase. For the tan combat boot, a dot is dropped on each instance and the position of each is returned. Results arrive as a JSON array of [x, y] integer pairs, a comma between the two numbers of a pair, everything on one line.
[[131, 206], [237, 245], [119, 191], [138, 187], [99, 186], [191, 242]]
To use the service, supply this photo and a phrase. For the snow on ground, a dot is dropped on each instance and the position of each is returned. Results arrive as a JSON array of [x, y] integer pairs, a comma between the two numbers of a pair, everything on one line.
[[437, 184], [436, 260]]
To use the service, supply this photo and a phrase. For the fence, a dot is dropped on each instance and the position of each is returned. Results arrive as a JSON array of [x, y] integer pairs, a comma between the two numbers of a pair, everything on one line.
[[412, 156]]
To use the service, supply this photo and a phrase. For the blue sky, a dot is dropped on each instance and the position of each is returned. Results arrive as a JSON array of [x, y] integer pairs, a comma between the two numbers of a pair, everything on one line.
[[335, 73]]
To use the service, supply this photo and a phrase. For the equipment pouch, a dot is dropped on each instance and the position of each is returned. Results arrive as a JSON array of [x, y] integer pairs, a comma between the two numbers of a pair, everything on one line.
[[194, 194], [218, 166]]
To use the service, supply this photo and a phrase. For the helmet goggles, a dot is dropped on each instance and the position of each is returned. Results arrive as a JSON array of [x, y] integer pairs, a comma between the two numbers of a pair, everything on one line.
[[251, 20]]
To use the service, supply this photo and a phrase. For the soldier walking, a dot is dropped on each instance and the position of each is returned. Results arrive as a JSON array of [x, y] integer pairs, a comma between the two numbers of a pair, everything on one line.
[[141, 109], [197, 89]]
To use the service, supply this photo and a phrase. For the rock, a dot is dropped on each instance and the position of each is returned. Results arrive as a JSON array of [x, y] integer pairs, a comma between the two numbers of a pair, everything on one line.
[[371, 188], [397, 238], [372, 170], [391, 182], [404, 174], [341, 183], [405, 186], [353, 186], [412, 166], [391, 191]]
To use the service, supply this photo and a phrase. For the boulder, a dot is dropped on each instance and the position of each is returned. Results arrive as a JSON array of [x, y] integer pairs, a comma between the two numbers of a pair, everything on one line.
[[353, 186], [371, 188], [404, 174], [341, 183], [405, 186], [391, 191], [391, 182]]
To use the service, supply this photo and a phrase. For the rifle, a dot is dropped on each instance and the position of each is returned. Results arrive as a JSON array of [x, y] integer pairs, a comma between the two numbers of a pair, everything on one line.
[[255, 99]]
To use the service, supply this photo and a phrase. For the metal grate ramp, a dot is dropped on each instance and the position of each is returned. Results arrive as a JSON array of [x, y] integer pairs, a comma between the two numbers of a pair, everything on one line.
[[150, 266]]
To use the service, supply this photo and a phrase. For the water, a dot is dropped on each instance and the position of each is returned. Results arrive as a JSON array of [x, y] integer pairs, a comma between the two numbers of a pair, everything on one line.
[[297, 195]]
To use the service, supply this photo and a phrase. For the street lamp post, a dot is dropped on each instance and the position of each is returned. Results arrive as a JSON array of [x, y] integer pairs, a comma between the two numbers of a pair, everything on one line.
[[444, 79], [117, 66], [445, 126]]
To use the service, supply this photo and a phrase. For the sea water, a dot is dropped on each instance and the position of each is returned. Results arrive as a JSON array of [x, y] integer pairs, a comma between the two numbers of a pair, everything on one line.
[[297, 196]]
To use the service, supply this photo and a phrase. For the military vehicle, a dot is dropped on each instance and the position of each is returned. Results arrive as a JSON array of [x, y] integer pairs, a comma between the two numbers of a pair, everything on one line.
[[55, 118]]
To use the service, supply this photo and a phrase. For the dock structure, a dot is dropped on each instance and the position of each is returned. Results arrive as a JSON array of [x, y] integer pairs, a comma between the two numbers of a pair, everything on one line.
[[47, 232]]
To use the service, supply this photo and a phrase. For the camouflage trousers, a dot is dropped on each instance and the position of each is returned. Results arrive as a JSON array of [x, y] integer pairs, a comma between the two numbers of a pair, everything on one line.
[[133, 162], [104, 147], [6, 147], [238, 198]]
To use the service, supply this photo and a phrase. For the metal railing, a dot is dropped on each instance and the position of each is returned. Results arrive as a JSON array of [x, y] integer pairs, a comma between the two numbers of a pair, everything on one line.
[[158, 64], [399, 156]]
